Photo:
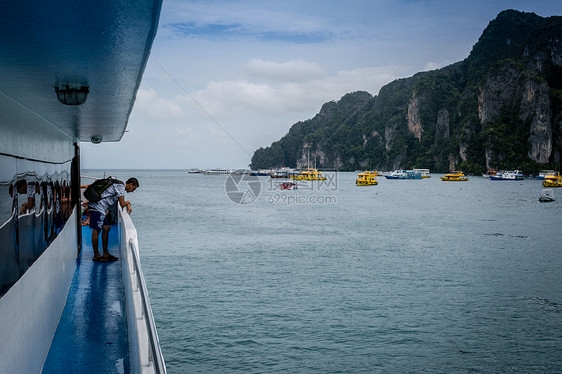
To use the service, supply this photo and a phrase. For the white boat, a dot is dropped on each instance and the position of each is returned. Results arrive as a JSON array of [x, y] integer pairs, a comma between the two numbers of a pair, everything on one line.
[[215, 172], [489, 173], [284, 172], [396, 174], [403, 174], [69, 73], [507, 175], [544, 173], [547, 196], [424, 173], [239, 171]]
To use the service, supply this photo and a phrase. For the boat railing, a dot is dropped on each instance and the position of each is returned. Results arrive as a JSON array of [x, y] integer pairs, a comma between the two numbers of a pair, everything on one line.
[[154, 352], [146, 353]]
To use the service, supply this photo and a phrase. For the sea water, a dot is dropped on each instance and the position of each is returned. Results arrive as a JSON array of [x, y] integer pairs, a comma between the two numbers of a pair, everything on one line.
[[407, 276]]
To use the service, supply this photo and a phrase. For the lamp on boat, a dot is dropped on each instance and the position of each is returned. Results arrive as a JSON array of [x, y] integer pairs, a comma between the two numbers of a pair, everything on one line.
[[69, 95], [96, 139]]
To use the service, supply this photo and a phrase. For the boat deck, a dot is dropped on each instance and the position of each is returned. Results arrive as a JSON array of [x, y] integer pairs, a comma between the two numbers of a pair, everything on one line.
[[92, 333]]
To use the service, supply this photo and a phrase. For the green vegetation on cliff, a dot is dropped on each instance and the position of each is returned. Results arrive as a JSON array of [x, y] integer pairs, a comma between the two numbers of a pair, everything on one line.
[[501, 107]]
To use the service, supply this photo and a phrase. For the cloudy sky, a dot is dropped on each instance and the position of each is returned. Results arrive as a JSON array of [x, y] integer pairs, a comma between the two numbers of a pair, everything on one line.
[[227, 77]]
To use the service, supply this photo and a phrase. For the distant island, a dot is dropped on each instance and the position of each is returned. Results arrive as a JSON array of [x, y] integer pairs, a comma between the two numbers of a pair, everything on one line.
[[501, 108]]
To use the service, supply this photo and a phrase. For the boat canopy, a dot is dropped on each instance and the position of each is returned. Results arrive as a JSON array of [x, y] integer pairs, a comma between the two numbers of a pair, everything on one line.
[[71, 50]]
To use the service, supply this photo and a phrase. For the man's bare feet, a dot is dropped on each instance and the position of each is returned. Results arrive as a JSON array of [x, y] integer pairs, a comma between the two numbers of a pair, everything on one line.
[[109, 257]]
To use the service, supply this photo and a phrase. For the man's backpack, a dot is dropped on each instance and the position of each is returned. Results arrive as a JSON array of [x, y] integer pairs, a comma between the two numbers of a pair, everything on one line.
[[94, 190]]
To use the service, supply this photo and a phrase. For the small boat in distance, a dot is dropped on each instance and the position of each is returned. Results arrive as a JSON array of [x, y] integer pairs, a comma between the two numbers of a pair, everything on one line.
[[424, 173], [396, 174], [214, 171], [547, 196], [261, 173], [507, 175], [309, 175], [403, 174], [489, 173], [545, 173], [367, 178], [284, 172], [288, 185], [455, 176], [552, 181]]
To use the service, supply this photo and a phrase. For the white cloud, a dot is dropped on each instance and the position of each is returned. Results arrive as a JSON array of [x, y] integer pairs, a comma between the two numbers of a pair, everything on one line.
[[290, 71], [236, 116], [226, 99], [149, 104], [231, 98]]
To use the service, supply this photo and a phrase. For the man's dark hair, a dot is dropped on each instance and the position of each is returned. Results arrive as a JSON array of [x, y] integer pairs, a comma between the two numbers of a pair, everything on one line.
[[133, 181]]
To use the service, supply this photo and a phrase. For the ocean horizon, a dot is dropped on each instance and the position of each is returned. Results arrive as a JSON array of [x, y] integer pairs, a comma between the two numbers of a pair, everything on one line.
[[406, 276]]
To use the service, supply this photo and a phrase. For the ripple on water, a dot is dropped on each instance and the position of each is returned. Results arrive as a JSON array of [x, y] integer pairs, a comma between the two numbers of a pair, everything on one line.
[[404, 277]]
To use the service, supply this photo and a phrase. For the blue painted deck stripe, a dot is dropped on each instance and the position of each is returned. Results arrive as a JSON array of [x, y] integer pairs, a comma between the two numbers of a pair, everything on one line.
[[92, 333]]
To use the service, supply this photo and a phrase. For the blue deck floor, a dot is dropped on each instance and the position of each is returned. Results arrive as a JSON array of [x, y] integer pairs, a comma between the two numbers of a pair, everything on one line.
[[92, 333]]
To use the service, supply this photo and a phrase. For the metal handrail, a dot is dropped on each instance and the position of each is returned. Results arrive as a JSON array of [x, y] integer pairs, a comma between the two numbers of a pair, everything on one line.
[[154, 342]]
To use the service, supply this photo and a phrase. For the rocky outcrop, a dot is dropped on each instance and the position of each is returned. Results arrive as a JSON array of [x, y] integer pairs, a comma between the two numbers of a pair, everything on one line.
[[367, 138], [535, 106], [556, 51], [498, 91], [442, 127], [509, 87], [453, 162], [311, 158], [389, 132], [501, 107], [463, 145], [398, 161], [413, 117]]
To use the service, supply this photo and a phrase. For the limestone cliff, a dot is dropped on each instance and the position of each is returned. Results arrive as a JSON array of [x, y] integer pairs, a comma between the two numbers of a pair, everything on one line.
[[535, 106], [414, 123], [501, 107]]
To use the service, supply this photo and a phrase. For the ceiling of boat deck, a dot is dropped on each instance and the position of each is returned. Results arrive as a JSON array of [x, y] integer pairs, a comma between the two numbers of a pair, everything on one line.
[[101, 44]]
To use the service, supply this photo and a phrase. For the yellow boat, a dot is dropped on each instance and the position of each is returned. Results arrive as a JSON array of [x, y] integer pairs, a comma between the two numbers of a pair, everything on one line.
[[552, 181], [309, 175], [455, 176], [367, 178]]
